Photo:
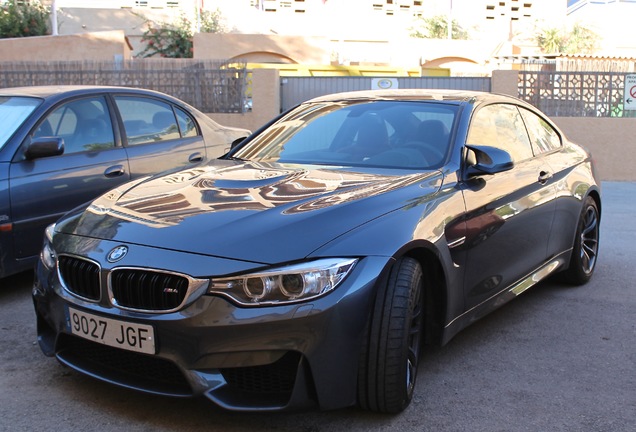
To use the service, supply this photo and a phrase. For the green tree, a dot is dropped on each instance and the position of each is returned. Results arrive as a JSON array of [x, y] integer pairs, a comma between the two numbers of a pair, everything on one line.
[[436, 28], [23, 18], [212, 22], [581, 40], [576, 40], [550, 40], [175, 40], [168, 40]]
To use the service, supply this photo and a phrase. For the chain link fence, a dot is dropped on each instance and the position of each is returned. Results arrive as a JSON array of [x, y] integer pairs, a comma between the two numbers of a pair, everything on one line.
[[210, 86]]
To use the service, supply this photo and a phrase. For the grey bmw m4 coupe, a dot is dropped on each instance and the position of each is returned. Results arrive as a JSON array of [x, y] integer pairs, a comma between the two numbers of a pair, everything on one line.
[[311, 265]]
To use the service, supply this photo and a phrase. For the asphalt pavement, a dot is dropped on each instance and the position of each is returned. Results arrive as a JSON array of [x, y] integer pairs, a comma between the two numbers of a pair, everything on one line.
[[558, 358]]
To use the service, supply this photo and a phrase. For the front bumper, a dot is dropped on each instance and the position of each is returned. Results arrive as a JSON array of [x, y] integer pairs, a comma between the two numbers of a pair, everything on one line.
[[256, 358]]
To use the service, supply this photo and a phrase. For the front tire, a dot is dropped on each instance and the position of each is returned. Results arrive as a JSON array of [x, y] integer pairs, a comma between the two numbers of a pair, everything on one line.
[[391, 350], [586, 242]]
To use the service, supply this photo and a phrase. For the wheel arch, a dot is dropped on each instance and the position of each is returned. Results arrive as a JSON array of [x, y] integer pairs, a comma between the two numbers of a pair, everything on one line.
[[436, 291], [596, 196]]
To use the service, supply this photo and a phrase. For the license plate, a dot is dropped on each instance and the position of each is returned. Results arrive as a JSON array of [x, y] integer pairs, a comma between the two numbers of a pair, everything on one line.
[[112, 332]]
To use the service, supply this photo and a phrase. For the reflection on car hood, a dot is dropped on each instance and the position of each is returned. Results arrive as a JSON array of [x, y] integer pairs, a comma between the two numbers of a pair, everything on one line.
[[265, 213]]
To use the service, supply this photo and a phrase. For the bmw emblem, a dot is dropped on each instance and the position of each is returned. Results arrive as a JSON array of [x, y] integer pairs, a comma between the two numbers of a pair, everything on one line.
[[116, 254]]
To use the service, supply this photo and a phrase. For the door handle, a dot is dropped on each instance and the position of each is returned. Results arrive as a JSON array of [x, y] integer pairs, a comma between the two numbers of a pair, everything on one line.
[[195, 157], [114, 171], [544, 176]]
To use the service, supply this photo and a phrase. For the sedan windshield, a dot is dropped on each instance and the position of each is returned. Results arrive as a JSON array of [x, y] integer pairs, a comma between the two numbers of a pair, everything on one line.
[[13, 112], [391, 134]]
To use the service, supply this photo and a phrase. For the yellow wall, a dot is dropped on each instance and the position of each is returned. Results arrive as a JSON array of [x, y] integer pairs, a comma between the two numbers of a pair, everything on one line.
[[335, 70]]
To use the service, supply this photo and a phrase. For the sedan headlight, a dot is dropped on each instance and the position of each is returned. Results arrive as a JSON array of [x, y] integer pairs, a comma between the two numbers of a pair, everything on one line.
[[47, 255], [293, 283]]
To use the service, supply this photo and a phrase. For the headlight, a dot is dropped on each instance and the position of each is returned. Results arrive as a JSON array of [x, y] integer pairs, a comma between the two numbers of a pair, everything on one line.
[[47, 255], [293, 283]]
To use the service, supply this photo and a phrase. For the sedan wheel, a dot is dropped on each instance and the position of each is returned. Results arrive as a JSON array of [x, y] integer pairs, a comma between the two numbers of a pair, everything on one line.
[[586, 242], [390, 355]]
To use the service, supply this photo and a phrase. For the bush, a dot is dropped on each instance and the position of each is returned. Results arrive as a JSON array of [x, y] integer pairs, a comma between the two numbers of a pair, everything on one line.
[[168, 40], [175, 40], [24, 18]]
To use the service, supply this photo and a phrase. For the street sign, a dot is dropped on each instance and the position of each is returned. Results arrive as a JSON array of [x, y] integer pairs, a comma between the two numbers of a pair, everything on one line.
[[629, 98], [392, 83]]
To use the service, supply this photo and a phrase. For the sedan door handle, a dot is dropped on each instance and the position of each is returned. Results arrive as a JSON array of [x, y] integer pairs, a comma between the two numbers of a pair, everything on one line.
[[544, 176], [114, 171], [195, 157]]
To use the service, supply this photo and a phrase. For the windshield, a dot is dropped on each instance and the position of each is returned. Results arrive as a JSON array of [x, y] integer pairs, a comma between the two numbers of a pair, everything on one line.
[[392, 134], [13, 112]]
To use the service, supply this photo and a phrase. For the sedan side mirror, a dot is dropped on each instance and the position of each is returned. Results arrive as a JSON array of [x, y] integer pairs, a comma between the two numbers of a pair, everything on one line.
[[236, 142], [44, 147], [487, 160]]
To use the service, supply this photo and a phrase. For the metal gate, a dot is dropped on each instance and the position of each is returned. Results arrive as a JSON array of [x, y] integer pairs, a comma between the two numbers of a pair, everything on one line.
[[295, 90]]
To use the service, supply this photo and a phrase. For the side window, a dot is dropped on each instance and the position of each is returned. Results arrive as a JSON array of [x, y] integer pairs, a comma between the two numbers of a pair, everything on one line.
[[147, 120], [501, 126], [84, 125], [543, 136], [187, 126]]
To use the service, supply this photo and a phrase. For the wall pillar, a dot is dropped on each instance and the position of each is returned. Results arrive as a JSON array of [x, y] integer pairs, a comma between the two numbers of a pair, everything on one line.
[[505, 82], [265, 89]]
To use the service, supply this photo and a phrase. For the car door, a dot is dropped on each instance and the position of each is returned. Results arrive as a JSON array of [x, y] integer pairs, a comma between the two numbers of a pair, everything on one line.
[[158, 135], [509, 214], [43, 189], [547, 144]]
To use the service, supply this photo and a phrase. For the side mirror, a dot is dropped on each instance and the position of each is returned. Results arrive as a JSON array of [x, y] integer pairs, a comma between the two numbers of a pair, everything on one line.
[[44, 147], [236, 142], [487, 160]]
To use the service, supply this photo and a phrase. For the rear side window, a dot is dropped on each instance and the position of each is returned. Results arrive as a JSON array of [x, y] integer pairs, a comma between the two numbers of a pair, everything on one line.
[[542, 136], [501, 126], [187, 126], [147, 120]]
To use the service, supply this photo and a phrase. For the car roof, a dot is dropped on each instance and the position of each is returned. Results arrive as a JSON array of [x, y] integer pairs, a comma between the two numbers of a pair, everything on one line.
[[457, 96], [57, 90]]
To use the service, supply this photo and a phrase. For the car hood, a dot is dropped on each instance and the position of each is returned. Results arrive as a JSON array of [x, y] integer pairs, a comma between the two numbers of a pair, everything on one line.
[[264, 213]]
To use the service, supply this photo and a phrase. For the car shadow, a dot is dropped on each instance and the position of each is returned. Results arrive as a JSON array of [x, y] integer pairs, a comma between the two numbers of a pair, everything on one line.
[[13, 286], [451, 366]]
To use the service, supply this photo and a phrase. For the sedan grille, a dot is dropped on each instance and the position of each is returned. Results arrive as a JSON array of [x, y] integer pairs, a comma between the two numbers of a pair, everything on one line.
[[80, 277], [148, 290]]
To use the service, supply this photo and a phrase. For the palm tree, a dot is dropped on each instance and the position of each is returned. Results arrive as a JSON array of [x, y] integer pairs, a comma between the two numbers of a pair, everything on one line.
[[550, 40], [436, 28], [577, 40]]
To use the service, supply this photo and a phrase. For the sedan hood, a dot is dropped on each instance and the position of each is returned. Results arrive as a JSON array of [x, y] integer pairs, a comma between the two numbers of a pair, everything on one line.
[[264, 213]]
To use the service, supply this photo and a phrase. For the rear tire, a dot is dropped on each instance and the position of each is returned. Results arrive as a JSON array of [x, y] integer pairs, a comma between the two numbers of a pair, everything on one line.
[[391, 349], [585, 249]]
